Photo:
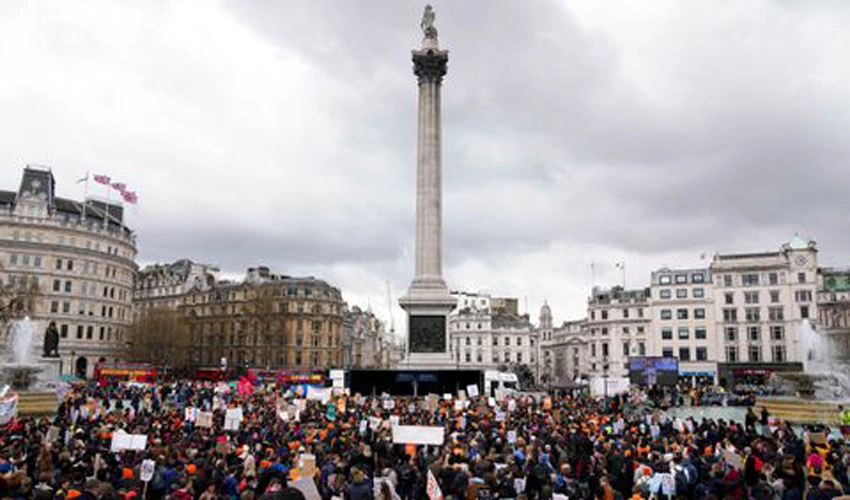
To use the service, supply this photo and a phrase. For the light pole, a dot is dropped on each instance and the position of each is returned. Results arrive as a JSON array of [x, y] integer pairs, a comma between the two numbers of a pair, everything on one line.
[[605, 376]]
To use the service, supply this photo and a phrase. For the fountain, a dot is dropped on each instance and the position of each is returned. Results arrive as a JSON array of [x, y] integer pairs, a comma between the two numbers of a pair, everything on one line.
[[33, 377], [813, 395]]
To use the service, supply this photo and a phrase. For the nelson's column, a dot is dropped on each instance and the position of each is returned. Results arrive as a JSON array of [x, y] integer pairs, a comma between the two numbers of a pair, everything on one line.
[[428, 301]]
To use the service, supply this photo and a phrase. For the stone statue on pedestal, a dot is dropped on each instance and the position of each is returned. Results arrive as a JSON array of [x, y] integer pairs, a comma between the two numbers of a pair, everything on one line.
[[427, 23], [51, 341]]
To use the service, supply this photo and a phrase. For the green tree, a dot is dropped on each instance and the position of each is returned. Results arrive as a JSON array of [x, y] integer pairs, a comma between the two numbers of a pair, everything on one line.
[[161, 337]]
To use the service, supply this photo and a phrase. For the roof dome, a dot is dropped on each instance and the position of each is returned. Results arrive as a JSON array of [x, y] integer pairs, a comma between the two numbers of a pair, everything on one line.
[[545, 310], [798, 243]]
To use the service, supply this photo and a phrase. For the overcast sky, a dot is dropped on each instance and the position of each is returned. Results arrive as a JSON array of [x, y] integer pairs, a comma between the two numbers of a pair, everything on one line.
[[283, 133]]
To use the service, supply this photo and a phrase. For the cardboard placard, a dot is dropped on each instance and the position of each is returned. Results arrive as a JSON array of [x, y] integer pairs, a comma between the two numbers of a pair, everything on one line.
[[418, 434], [472, 390], [146, 473]]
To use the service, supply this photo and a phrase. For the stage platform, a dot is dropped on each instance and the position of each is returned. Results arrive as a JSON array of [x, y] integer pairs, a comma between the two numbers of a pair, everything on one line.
[[407, 382]]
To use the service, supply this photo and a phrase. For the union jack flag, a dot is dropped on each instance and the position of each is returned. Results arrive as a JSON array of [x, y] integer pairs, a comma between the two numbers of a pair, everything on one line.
[[101, 179], [120, 186], [130, 197]]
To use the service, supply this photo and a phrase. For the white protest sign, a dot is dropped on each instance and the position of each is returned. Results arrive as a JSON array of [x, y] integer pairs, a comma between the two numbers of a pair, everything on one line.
[[389, 404], [122, 441], [363, 425], [447, 396], [668, 484], [191, 414], [512, 437], [491, 402], [232, 418], [418, 434], [458, 405], [147, 470], [500, 416], [472, 390], [204, 419], [319, 394], [394, 420], [307, 486]]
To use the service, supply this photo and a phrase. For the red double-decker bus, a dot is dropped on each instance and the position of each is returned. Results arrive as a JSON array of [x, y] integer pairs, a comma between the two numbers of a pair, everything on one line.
[[289, 376], [125, 372]]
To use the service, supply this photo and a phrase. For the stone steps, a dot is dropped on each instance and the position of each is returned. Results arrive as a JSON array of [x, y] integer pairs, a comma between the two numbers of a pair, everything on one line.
[[37, 403], [797, 411]]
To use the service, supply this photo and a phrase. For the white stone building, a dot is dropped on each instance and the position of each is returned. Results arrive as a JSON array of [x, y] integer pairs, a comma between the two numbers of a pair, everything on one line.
[[365, 341], [564, 354], [482, 339], [82, 257], [760, 300], [683, 323], [617, 325], [163, 286]]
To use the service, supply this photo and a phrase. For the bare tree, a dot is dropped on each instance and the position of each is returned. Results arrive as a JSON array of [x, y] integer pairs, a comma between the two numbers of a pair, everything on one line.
[[160, 336]]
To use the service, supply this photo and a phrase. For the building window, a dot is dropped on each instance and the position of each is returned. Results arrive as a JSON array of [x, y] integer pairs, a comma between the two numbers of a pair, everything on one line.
[[79, 331], [699, 293], [730, 297], [666, 334], [604, 330], [495, 341], [803, 296], [467, 357], [778, 353], [751, 297], [699, 313], [752, 314], [667, 352], [625, 313], [36, 261], [684, 354], [626, 350], [519, 341], [57, 286], [750, 279], [755, 353], [592, 350], [666, 314], [774, 296], [664, 279], [63, 331], [66, 307], [698, 278], [605, 349], [700, 333], [641, 349], [773, 278], [731, 353], [681, 293], [69, 265], [664, 293], [702, 354], [753, 333], [804, 312], [775, 313], [59, 264], [682, 313], [54, 306], [727, 280], [640, 312], [683, 332], [604, 314], [777, 332], [519, 357], [681, 278], [67, 287], [730, 315], [801, 277]]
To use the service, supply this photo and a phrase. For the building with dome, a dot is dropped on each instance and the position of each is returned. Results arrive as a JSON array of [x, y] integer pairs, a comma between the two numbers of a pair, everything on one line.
[[81, 256]]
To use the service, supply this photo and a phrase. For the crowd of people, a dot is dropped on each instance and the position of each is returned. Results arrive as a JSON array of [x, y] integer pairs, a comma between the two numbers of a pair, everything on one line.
[[291, 445]]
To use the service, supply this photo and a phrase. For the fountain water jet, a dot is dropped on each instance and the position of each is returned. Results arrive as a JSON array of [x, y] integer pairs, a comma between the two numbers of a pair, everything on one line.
[[22, 370]]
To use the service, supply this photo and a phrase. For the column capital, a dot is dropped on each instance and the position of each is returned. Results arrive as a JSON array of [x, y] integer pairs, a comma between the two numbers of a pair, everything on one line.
[[430, 65]]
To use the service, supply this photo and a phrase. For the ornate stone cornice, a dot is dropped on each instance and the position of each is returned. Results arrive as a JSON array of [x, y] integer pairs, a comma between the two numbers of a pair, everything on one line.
[[430, 65]]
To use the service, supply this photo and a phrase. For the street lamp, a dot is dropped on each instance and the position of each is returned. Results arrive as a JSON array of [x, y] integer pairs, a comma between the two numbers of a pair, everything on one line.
[[605, 375]]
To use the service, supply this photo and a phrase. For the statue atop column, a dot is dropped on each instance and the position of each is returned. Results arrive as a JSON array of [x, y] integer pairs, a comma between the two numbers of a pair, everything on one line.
[[51, 341], [427, 23]]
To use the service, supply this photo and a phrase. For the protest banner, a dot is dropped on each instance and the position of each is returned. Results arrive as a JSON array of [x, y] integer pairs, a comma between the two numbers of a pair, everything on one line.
[[204, 419], [418, 434], [122, 441], [322, 394], [472, 390]]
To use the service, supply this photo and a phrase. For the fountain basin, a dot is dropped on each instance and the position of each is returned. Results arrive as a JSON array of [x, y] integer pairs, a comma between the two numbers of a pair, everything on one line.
[[797, 410]]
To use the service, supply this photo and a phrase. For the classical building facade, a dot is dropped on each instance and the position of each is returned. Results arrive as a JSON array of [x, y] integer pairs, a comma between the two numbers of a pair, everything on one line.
[[565, 354], [82, 258], [834, 310], [365, 341], [683, 326], [760, 301], [483, 339], [618, 321], [163, 286], [266, 321]]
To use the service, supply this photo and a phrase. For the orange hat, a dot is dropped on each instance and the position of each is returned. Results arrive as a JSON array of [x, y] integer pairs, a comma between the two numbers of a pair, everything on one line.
[[74, 493], [127, 473], [191, 468]]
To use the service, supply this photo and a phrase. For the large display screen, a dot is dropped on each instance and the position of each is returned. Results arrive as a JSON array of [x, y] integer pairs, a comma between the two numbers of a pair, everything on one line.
[[650, 370]]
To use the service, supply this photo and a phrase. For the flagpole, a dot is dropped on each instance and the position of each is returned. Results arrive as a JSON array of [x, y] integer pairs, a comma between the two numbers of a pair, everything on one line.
[[106, 211], [85, 195]]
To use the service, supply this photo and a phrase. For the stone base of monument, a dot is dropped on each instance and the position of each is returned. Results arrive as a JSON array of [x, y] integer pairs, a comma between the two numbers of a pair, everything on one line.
[[37, 403], [430, 361], [796, 410]]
